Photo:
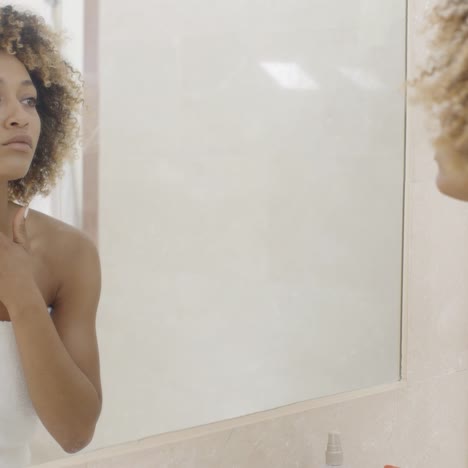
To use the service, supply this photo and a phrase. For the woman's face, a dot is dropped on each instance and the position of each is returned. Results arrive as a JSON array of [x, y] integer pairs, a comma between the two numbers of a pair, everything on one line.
[[18, 118], [452, 179]]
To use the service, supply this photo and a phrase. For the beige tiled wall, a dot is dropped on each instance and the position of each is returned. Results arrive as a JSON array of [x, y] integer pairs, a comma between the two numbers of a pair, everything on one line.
[[421, 424]]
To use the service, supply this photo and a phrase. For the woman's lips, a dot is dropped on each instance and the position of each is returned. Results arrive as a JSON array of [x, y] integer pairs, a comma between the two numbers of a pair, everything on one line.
[[19, 146]]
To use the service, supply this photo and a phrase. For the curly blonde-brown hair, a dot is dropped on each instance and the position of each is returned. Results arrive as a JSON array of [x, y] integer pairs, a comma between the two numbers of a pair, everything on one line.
[[443, 86], [59, 87]]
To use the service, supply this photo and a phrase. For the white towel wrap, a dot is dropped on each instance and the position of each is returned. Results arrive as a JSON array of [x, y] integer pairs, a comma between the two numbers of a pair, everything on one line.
[[18, 418]]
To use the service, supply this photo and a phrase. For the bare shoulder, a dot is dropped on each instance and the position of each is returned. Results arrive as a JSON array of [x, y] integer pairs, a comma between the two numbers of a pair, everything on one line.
[[57, 233], [70, 252]]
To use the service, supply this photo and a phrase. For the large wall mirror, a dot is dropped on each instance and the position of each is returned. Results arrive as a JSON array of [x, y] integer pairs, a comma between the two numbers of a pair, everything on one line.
[[248, 203]]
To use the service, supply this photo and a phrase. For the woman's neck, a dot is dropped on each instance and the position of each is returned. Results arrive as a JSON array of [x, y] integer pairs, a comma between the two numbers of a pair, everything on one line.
[[6, 211]]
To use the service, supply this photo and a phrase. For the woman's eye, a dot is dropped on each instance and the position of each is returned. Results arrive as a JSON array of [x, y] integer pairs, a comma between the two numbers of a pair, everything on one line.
[[32, 101]]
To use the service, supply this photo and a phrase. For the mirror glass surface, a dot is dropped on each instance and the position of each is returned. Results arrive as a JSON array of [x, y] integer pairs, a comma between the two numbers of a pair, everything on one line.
[[250, 204]]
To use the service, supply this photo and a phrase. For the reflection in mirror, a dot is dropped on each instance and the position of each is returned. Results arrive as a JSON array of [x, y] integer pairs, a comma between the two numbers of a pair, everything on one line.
[[247, 202]]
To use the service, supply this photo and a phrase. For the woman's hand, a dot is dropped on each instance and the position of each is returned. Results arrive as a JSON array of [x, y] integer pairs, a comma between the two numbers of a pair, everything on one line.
[[16, 266]]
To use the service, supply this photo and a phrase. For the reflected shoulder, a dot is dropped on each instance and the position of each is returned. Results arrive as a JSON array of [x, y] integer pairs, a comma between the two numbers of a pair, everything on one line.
[[69, 250]]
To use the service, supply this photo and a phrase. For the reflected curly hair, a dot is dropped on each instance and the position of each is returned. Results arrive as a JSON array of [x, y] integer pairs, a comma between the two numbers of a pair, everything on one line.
[[59, 87], [443, 86]]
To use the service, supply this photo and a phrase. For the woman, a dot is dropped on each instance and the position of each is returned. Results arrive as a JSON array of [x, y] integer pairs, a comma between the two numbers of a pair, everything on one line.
[[49, 364], [443, 89]]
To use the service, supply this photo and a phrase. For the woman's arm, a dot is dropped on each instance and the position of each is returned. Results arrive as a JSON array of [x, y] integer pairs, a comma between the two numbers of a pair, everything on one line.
[[60, 355]]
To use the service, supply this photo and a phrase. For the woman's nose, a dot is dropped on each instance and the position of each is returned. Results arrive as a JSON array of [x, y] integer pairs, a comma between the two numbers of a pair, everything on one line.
[[16, 116], [20, 123]]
